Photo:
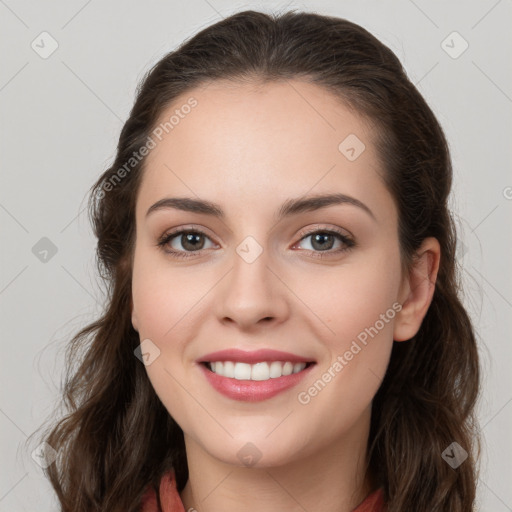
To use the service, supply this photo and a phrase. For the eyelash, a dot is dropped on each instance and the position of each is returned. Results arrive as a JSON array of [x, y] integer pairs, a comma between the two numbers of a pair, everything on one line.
[[347, 241]]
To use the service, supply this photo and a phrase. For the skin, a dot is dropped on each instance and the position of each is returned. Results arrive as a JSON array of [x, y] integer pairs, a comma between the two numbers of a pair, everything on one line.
[[249, 148]]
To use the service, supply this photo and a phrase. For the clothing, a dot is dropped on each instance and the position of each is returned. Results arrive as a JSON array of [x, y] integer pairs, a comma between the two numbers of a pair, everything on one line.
[[171, 501]]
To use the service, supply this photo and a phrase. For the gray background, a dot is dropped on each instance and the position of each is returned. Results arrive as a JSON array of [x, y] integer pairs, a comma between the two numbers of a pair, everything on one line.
[[61, 117]]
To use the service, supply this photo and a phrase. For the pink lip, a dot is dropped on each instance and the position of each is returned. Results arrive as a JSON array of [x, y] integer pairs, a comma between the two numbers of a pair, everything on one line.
[[254, 356], [252, 390]]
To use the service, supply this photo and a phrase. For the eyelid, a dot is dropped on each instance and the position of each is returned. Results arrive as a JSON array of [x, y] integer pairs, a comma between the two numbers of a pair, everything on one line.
[[187, 227], [303, 232], [318, 227]]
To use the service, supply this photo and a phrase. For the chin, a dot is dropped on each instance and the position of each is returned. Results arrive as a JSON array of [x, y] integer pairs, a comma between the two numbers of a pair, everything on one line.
[[255, 450]]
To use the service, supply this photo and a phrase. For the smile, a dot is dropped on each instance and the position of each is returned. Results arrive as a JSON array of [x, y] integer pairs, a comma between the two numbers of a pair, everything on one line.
[[252, 376]]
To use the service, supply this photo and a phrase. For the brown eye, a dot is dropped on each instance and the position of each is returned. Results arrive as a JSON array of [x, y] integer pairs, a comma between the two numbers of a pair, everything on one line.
[[322, 241], [190, 241]]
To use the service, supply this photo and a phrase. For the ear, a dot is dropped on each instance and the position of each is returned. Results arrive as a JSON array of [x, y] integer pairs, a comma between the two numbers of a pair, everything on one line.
[[417, 290], [134, 316]]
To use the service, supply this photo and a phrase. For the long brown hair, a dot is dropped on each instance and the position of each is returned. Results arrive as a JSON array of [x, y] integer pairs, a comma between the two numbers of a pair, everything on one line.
[[116, 437]]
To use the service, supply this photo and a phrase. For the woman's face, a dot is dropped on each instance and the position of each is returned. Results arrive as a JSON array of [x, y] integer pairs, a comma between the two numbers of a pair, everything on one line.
[[253, 278]]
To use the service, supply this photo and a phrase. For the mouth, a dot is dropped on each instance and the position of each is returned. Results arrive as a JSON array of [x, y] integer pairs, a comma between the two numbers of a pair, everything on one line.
[[253, 376], [256, 381]]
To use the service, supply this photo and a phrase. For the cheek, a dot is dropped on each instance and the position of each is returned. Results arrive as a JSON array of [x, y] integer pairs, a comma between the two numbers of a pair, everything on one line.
[[165, 304], [359, 313], [161, 298], [354, 297]]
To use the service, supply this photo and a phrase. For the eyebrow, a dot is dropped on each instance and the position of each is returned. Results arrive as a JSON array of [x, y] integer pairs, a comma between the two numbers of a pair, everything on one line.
[[289, 207]]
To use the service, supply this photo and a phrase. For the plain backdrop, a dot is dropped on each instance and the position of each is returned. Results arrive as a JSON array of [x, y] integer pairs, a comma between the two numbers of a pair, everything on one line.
[[61, 115]]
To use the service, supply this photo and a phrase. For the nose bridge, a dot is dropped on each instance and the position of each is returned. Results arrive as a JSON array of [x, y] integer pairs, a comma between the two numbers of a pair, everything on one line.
[[251, 292]]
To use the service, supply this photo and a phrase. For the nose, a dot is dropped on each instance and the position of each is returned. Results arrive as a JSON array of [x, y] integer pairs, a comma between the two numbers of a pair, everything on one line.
[[252, 294]]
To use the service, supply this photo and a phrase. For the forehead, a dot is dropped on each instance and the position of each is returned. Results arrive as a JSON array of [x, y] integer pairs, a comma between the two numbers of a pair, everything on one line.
[[251, 141]]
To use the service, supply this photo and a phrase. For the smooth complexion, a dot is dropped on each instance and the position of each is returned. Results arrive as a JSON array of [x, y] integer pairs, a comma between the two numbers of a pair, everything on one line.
[[249, 149]]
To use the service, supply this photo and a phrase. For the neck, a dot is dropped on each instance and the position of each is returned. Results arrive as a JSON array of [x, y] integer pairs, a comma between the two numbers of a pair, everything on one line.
[[331, 480]]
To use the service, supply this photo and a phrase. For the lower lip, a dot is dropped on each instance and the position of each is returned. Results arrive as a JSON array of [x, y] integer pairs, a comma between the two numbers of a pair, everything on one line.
[[253, 390]]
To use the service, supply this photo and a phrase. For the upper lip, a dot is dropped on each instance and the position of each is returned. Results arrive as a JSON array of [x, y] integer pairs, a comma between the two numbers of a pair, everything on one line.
[[253, 356]]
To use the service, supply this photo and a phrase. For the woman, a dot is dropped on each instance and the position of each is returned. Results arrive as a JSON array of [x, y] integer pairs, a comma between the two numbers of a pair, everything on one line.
[[283, 329]]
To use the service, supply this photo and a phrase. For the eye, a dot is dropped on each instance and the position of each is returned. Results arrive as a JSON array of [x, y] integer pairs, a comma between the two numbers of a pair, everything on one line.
[[322, 241], [191, 240]]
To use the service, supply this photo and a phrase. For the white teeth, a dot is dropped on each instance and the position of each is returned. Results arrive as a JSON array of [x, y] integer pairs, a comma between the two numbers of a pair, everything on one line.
[[229, 369], [260, 371], [257, 371], [242, 371], [297, 367], [287, 368], [276, 368]]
